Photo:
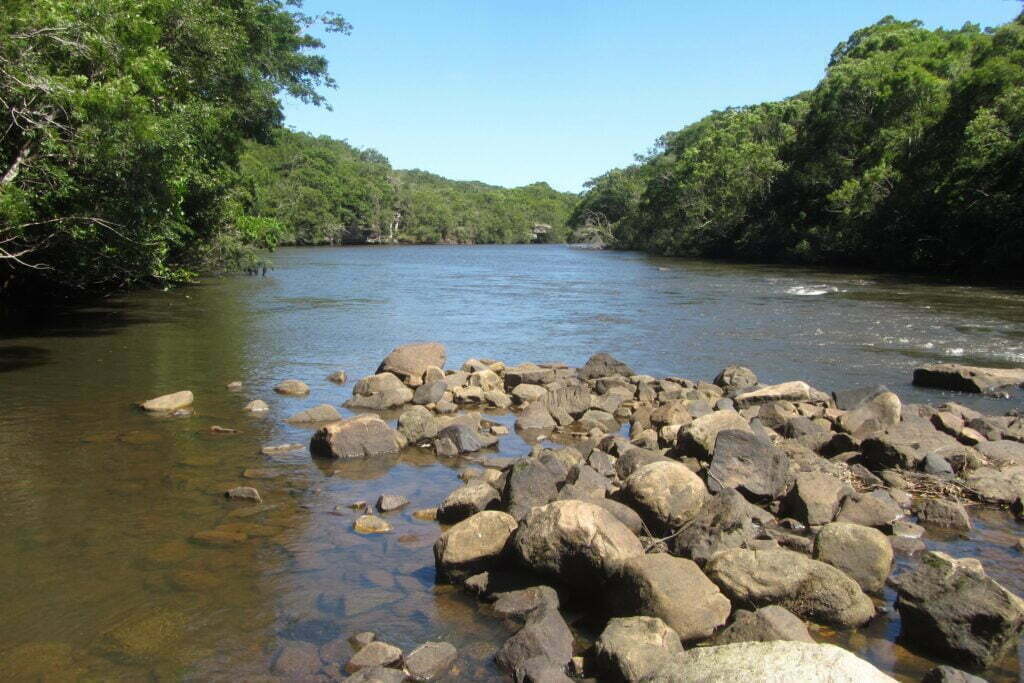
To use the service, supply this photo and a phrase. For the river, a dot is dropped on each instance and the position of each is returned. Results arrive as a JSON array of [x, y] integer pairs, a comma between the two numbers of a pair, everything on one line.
[[98, 501]]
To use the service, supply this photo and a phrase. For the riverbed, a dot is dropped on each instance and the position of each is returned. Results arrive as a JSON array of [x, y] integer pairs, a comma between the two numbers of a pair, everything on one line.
[[98, 501]]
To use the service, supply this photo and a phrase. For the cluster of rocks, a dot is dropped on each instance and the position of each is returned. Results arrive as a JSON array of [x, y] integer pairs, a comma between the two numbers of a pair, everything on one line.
[[373, 661], [731, 514]]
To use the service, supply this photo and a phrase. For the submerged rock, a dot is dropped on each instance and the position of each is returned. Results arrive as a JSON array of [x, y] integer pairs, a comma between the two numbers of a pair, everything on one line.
[[430, 660], [244, 493], [371, 524], [321, 413]]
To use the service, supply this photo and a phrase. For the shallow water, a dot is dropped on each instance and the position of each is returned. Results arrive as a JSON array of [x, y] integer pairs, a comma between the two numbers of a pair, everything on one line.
[[98, 501]]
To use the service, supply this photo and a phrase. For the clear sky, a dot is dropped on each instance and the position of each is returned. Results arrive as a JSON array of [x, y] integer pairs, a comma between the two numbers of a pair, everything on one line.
[[562, 90]]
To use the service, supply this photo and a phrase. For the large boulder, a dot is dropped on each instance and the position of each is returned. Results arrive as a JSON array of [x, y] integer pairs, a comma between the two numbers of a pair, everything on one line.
[[379, 392], [795, 392], [762, 625], [778, 661], [727, 520], [945, 514], [736, 378], [466, 501], [417, 424], [814, 498], [905, 445], [967, 378], [698, 438], [364, 435], [544, 643], [531, 482], [952, 608], [460, 438], [742, 461], [673, 589], [603, 365], [576, 542], [632, 648], [862, 553], [810, 589], [410, 361], [882, 411], [473, 545], [535, 417], [668, 495]]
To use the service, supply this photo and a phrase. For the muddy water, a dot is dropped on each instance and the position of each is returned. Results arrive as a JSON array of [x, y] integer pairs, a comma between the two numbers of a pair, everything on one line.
[[99, 576]]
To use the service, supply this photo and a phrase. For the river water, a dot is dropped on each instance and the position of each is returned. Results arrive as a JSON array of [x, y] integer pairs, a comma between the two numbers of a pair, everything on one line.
[[99, 578]]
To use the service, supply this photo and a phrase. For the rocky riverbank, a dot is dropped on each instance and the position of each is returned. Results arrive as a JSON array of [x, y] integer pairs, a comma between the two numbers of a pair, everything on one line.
[[701, 525]]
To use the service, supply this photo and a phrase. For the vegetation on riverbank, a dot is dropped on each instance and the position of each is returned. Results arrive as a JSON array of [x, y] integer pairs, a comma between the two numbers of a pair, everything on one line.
[[908, 155]]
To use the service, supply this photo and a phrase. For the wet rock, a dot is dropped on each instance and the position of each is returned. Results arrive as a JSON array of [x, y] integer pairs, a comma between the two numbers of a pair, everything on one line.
[[411, 361], [466, 501], [726, 521], [952, 608], [814, 498], [945, 514], [545, 636], [967, 378], [376, 653], [430, 661], [519, 603], [632, 648], [764, 625], [464, 438], [948, 674], [862, 553], [321, 413], [904, 446], [779, 660], [876, 509], [292, 387], [473, 545], [417, 424], [256, 406], [168, 402], [371, 524], [390, 502], [745, 462], [244, 493], [361, 436], [430, 392], [215, 537], [276, 449], [673, 589], [667, 495], [379, 392], [377, 674], [576, 542], [698, 438], [795, 392], [603, 365], [142, 638], [736, 378], [297, 660], [810, 589]]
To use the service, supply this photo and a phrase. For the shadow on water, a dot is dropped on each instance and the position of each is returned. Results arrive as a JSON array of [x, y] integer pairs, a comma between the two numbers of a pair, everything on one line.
[[17, 357]]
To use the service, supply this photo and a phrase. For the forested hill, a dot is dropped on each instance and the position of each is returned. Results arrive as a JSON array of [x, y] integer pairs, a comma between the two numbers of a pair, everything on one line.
[[908, 156], [322, 190]]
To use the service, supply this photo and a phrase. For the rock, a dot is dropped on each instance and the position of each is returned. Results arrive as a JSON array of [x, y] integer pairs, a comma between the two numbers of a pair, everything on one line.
[[904, 446], [464, 438], [967, 378], [673, 589], [519, 603], [389, 502], [851, 399], [370, 524], [527, 373], [698, 438], [578, 543], [876, 509], [1002, 452], [862, 553], [410, 361], [168, 402], [528, 393], [473, 545], [946, 514], [379, 392], [320, 413], [727, 520], [778, 661], [530, 482], [880, 412], [745, 462], [297, 660], [814, 498], [953, 609], [244, 493], [545, 636], [417, 424], [623, 513], [256, 406], [795, 392], [633, 648], [276, 449], [572, 400], [634, 458], [995, 486], [764, 625], [361, 436], [430, 660], [425, 514], [376, 653], [948, 674], [338, 377], [667, 495], [542, 670], [466, 501], [810, 589], [430, 392], [736, 378], [215, 537], [603, 365], [292, 387], [376, 674], [535, 417]]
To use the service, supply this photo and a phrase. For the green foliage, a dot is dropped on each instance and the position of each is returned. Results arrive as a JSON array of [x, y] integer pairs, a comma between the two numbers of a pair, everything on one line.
[[123, 123], [908, 155]]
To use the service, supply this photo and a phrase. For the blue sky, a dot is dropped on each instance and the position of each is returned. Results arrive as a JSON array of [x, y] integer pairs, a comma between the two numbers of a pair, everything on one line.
[[562, 90]]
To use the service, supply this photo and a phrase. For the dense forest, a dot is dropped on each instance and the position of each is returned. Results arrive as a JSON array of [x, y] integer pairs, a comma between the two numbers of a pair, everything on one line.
[[322, 191], [908, 155]]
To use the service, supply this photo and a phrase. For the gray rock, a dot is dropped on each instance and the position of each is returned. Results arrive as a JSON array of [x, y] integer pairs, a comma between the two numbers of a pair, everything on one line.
[[321, 413], [883, 411], [1003, 452], [379, 392], [851, 399], [946, 514], [903, 446], [390, 502], [527, 373], [576, 542], [361, 436], [795, 392], [948, 674], [862, 553], [673, 589], [430, 661], [810, 589], [736, 378], [667, 495], [430, 392], [376, 674], [623, 513], [545, 636], [764, 625], [603, 365], [518, 604], [466, 501], [530, 482], [727, 520], [698, 439], [297, 660], [411, 361], [535, 417], [953, 609], [745, 462], [376, 653], [814, 498], [417, 424], [464, 438], [967, 378], [632, 648], [634, 458], [292, 387], [474, 545], [876, 509]]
